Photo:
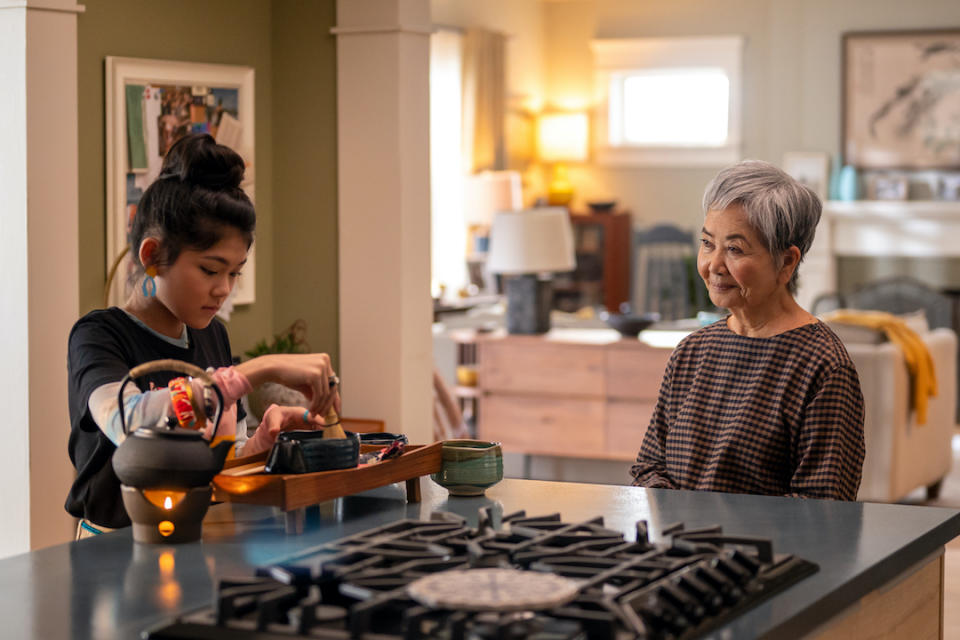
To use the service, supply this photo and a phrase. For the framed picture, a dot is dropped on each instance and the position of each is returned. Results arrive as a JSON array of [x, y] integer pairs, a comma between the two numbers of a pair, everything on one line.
[[948, 187], [811, 168], [901, 99], [884, 187], [150, 104]]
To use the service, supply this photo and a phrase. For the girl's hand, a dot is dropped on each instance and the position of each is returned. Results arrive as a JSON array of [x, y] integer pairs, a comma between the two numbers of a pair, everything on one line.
[[277, 419], [308, 373]]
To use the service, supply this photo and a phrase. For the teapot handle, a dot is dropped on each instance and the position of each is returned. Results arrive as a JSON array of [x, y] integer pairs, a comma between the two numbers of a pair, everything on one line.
[[170, 365]]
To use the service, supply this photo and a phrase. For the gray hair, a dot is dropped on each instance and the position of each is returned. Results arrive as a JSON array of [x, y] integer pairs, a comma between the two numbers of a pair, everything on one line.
[[783, 212]]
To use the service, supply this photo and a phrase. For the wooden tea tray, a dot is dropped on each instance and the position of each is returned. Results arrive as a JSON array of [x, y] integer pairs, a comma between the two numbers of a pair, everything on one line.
[[296, 491]]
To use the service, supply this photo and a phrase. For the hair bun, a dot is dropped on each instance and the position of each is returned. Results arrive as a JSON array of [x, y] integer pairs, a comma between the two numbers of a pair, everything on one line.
[[197, 159]]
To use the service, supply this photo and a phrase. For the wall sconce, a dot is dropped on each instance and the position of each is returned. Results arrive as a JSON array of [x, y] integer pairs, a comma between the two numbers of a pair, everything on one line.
[[526, 247], [562, 138]]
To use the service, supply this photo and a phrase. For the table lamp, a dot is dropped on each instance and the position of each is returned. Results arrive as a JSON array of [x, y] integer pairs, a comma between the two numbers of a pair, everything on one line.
[[561, 138], [525, 247]]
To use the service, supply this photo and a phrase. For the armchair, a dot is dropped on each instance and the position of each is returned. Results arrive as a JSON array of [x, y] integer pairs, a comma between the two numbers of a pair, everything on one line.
[[900, 454]]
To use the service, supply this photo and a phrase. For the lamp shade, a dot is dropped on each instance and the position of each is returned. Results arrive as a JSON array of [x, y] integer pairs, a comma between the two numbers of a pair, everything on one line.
[[531, 241], [562, 137], [488, 192]]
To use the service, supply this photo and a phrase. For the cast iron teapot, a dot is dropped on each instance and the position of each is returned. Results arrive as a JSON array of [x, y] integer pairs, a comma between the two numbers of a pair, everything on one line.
[[160, 456]]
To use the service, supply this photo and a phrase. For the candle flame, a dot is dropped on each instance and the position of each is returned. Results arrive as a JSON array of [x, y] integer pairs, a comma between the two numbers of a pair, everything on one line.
[[167, 503]]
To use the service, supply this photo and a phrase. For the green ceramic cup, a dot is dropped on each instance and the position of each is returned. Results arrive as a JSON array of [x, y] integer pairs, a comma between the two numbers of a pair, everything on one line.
[[469, 467]]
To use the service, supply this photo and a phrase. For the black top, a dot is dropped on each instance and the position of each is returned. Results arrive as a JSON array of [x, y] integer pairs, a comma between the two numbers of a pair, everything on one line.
[[776, 416], [104, 345]]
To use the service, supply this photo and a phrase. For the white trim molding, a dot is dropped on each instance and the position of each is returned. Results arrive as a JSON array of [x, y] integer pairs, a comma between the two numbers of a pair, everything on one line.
[[615, 60], [43, 6]]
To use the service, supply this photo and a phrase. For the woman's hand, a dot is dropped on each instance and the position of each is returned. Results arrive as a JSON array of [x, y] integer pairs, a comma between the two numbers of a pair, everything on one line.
[[308, 373]]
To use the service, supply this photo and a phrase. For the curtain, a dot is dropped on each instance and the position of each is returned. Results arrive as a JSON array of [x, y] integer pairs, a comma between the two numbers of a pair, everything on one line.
[[447, 225], [484, 100]]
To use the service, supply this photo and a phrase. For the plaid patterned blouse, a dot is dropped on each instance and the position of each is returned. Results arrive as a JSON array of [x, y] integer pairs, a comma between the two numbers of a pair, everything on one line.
[[774, 416]]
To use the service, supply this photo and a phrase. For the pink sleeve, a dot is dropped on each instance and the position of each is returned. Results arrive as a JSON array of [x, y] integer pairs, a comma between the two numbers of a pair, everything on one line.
[[233, 385]]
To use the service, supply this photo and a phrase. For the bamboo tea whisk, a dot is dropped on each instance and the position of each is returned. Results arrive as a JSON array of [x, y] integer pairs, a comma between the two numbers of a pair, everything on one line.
[[334, 430]]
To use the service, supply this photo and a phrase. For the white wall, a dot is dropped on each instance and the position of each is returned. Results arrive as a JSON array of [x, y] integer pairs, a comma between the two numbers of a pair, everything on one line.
[[39, 288], [14, 352], [791, 77]]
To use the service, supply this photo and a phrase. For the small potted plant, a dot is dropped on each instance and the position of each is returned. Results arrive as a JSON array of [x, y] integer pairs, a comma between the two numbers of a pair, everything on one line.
[[290, 340]]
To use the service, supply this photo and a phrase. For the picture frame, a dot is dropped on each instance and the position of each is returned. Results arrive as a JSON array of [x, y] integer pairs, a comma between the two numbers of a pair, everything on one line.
[[810, 168], [948, 187], [901, 99], [887, 187], [149, 105]]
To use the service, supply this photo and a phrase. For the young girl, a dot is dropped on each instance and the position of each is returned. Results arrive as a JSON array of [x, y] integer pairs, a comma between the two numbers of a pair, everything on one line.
[[190, 239]]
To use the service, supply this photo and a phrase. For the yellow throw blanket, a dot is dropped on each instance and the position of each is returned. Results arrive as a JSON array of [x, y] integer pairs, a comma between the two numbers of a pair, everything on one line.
[[919, 363]]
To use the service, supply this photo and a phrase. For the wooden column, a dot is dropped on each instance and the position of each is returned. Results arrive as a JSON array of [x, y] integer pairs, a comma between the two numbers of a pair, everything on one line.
[[39, 289], [384, 212]]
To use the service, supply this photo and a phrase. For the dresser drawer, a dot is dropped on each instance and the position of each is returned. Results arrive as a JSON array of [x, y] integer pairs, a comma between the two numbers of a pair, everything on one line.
[[635, 372], [626, 426], [539, 366], [570, 427]]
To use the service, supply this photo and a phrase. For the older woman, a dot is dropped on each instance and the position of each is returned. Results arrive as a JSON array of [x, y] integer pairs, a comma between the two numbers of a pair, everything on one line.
[[766, 400]]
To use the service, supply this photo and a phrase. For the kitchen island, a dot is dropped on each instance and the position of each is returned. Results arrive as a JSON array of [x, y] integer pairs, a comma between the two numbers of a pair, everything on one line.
[[868, 556]]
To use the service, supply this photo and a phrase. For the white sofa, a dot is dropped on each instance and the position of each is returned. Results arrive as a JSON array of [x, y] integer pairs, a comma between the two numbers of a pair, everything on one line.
[[901, 455]]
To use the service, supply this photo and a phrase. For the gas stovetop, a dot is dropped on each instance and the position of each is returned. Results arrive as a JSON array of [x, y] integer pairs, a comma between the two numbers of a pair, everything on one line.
[[526, 578]]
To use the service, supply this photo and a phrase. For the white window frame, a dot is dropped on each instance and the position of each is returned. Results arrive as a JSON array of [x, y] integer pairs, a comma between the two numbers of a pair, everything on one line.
[[616, 59]]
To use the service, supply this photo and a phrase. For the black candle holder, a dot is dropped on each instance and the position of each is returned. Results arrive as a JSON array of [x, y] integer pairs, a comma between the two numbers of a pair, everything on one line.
[[166, 516]]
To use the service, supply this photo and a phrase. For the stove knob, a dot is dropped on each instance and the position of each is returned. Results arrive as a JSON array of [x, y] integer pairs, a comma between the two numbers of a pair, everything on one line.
[[692, 609], [727, 589], [731, 569], [663, 617], [703, 593], [745, 561]]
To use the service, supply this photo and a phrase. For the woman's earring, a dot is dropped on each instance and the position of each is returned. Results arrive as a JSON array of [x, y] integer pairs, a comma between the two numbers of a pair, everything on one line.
[[149, 286]]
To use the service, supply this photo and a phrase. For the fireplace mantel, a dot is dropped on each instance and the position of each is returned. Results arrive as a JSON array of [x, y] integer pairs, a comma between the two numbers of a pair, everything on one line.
[[878, 229]]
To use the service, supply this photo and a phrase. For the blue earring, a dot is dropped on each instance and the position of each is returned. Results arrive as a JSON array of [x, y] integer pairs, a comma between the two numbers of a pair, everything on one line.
[[149, 286]]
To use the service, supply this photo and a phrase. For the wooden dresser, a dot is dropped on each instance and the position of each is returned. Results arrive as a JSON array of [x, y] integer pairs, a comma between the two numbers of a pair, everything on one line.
[[566, 397]]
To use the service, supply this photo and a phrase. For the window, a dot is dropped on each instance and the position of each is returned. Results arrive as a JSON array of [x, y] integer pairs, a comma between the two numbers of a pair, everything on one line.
[[668, 101], [447, 221]]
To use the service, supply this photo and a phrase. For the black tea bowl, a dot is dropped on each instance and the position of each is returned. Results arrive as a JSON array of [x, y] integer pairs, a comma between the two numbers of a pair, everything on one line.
[[602, 206], [629, 324]]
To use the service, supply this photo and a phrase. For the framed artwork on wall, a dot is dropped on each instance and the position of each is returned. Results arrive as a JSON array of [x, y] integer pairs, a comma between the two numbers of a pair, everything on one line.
[[886, 187], [810, 168], [901, 99], [150, 104]]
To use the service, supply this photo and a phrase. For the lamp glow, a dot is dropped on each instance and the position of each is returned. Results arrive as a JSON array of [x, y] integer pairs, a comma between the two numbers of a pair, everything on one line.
[[562, 138]]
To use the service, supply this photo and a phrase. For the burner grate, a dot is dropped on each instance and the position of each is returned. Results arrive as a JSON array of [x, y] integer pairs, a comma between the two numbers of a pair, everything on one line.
[[364, 586]]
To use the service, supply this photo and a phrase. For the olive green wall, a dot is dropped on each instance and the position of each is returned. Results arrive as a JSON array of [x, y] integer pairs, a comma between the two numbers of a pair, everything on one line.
[[294, 279], [305, 170]]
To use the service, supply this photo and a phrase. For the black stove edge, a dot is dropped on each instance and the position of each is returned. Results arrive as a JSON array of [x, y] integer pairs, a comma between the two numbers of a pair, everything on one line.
[[801, 569]]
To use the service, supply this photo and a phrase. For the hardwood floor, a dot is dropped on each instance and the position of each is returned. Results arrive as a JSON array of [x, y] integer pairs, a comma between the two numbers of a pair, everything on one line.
[[949, 497]]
